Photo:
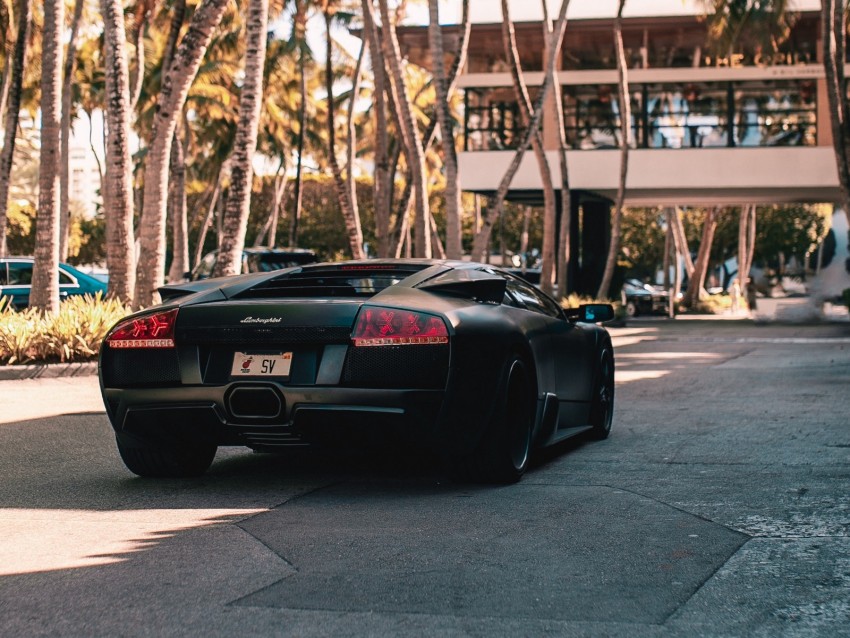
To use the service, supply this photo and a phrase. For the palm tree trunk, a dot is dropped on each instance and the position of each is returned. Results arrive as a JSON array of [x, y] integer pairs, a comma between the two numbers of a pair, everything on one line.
[[300, 27], [563, 257], [137, 80], [45, 278], [526, 113], [67, 117], [268, 233], [410, 133], [697, 280], [175, 88], [497, 206], [235, 222], [15, 69], [832, 36], [454, 248], [746, 245], [625, 138], [205, 226], [382, 192], [347, 206], [351, 148], [118, 181], [177, 199]]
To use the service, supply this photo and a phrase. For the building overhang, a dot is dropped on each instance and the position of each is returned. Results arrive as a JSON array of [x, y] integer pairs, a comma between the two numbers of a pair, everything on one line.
[[701, 176]]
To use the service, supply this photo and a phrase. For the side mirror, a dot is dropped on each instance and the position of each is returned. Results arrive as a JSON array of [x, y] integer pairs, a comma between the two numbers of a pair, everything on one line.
[[595, 312]]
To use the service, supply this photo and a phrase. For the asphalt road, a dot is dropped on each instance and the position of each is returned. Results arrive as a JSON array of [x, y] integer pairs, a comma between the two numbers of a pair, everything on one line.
[[718, 507]]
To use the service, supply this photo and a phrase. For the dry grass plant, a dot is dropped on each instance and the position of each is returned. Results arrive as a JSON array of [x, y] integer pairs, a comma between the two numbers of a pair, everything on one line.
[[73, 334]]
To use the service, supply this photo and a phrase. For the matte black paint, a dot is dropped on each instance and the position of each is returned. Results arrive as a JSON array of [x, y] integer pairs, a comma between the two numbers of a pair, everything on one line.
[[322, 402]]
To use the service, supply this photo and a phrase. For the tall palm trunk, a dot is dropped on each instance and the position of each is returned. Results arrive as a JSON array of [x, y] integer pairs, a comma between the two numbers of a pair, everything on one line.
[[45, 277], [746, 245], [832, 36], [175, 88], [625, 137], [498, 201], [344, 190], [235, 221], [299, 165], [268, 233], [410, 133], [697, 280], [178, 208], [67, 118], [205, 226], [526, 113], [430, 133], [382, 194], [454, 248], [562, 259], [15, 69], [120, 243]]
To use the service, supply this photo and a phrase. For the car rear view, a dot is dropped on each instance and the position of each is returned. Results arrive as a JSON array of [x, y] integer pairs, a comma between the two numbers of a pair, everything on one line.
[[312, 356]]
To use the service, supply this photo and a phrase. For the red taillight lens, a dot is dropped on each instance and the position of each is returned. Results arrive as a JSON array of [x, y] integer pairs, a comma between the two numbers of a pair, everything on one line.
[[149, 331], [393, 327]]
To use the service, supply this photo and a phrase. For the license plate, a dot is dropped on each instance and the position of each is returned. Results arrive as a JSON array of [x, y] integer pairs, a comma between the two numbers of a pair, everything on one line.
[[247, 364]]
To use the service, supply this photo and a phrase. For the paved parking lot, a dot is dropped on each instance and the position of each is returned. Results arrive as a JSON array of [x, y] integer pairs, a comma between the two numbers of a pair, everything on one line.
[[718, 507]]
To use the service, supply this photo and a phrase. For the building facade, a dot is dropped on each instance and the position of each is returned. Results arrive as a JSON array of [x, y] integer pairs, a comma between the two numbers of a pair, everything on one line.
[[706, 129]]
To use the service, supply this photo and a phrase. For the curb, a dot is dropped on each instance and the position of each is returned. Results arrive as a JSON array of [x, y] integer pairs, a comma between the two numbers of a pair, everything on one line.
[[48, 371]]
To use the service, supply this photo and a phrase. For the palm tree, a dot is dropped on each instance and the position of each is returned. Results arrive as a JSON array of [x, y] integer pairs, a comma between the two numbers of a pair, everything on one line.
[[562, 259], [235, 219], [409, 130], [833, 38], [697, 280], [625, 140], [526, 113], [15, 70], [299, 37], [382, 194], [67, 118], [120, 245], [175, 88], [344, 186], [45, 276], [554, 46], [454, 249]]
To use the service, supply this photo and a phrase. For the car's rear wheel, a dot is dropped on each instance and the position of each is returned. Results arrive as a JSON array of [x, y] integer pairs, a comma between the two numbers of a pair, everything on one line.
[[175, 460], [505, 449], [602, 401], [632, 309]]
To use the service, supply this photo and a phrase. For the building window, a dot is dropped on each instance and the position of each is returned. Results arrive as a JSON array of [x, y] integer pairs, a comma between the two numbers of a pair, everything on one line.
[[680, 115], [492, 120]]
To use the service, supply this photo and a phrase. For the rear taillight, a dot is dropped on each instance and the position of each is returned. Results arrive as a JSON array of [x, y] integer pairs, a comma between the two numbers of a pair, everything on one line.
[[393, 327], [149, 331]]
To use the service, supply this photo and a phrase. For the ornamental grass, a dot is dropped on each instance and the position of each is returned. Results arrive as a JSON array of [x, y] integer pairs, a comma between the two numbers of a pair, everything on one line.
[[73, 334]]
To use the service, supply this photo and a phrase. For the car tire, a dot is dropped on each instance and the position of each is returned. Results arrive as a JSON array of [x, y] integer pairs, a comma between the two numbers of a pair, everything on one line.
[[173, 461], [602, 399], [502, 455], [632, 309]]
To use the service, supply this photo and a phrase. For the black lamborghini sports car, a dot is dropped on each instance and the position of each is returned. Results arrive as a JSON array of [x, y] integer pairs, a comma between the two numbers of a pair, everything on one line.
[[465, 358]]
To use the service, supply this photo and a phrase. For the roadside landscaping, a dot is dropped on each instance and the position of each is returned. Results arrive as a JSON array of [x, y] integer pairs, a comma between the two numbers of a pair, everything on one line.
[[73, 334]]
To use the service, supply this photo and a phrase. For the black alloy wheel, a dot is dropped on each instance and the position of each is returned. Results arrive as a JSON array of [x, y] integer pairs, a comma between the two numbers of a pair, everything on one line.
[[165, 461], [503, 454], [602, 401]]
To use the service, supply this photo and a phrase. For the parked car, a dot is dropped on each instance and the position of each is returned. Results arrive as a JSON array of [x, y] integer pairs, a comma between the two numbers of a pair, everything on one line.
[[639, 298], [258, 259], [16, 281], [463, 358]]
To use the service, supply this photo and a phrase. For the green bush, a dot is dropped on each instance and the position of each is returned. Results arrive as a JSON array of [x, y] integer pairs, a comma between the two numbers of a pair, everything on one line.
[[73, 334]]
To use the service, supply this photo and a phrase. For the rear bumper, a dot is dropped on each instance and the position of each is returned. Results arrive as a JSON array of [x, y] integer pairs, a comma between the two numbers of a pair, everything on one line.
[[283, 416]]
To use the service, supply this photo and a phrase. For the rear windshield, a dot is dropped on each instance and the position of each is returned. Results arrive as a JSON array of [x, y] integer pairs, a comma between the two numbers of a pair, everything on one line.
[[333, 281]]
